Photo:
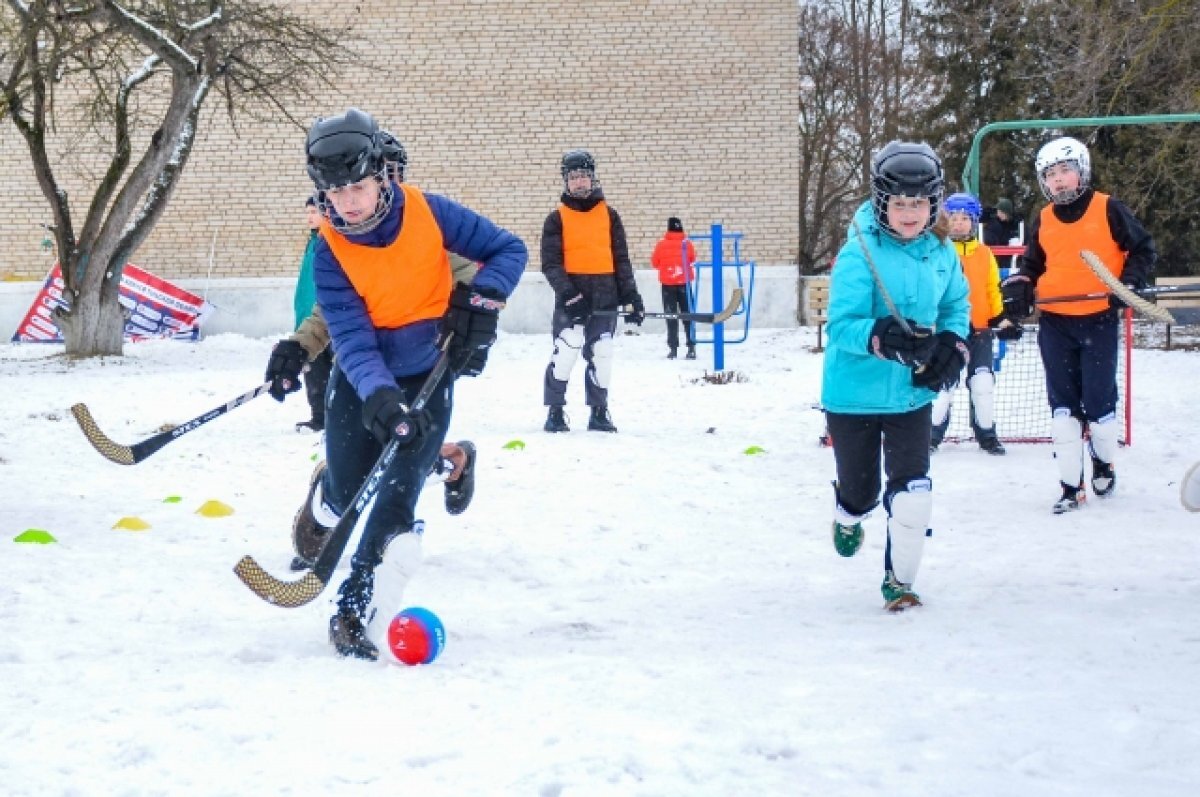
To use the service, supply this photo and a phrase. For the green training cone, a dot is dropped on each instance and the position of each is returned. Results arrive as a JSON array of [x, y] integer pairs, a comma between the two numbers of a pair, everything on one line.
[[35, 535]]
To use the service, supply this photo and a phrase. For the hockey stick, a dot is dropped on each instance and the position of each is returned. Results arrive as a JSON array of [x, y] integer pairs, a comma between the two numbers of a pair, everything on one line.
[[131, 455], [290, 594], [1152, 292], [1124, 292], [883, 291], [731, 307]]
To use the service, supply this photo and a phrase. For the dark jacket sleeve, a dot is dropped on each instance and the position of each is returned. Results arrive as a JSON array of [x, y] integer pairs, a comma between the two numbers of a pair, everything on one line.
[[1033, 262], [502, 256], [552, 259], [1132, 239], [626, 283]]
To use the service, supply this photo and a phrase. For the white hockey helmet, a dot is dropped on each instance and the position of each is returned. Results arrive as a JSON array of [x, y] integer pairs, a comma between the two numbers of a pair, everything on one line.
[[1064, 150]]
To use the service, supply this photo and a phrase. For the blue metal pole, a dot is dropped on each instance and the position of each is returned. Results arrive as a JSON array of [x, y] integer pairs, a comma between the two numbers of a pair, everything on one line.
[[717, 292]]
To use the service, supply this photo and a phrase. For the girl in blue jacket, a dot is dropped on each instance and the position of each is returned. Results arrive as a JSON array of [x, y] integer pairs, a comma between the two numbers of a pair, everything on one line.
[[888, 355]]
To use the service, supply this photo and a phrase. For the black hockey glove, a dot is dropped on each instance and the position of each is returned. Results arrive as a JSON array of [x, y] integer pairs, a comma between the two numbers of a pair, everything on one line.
[[577, 310], [470, 321], [889, 341], [1130, 282], [944, 368], [638, 314], [1017, 291], [288, 359], [1006, 328], [385, 415]]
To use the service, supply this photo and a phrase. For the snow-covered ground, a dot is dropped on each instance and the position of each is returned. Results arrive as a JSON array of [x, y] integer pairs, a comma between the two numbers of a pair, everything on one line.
[[649, 613]]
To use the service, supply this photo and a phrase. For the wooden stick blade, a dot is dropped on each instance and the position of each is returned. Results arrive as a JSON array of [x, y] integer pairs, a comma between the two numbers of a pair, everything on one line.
[[1124, 292], [735, 302], [288, 594], [108, 448]]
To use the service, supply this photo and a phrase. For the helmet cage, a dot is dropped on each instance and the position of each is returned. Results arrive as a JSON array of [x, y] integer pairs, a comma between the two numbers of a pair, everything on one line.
[[1064, 150], [905, 170], [575, 162], [395, 157]]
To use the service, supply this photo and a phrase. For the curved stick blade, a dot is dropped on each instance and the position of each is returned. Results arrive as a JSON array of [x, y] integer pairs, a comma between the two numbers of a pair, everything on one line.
[[288, 594], [108, 448]]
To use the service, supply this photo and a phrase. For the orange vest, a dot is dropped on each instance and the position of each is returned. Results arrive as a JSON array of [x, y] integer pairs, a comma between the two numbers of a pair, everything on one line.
[[406, 281], [1066, 273], [983, 279], [587, 240]]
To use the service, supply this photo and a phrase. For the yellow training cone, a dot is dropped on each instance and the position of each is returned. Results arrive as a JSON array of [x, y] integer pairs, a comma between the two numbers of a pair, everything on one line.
[[213, 508], [131, 524]]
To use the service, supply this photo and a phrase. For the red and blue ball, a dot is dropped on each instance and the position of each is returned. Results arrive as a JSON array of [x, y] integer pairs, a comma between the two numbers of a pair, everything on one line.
[[416, 636]]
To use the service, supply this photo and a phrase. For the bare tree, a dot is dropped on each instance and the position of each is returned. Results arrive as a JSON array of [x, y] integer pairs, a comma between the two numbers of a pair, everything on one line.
[[140, 70]]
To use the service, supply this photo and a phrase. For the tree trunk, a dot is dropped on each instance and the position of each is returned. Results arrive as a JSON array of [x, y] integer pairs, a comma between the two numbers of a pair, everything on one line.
[[95, 324]]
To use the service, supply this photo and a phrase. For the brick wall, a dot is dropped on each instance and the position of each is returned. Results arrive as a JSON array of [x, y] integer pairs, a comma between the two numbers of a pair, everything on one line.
[[689, 107]]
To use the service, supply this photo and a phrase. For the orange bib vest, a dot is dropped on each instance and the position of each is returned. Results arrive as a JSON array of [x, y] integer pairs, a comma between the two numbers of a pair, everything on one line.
[[983, 279], [1066, 273], [405, 281], [587, 240]]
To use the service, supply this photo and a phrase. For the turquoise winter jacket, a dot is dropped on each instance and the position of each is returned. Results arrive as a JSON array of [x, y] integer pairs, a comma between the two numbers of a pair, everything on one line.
[[927, 284], [306, 290]]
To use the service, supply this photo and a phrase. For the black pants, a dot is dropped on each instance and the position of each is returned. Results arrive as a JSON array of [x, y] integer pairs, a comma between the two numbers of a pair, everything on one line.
[[1079, 354], [316, 381], [857, 443], [675, 300], [351, 451]]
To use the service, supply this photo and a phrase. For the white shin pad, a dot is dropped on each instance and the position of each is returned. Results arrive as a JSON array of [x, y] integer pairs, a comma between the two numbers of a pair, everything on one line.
[[1104, 438], [602, 360], [1067, 434], [982, 387], [908, 523], [566, 352], [401, 560], [941, 407]]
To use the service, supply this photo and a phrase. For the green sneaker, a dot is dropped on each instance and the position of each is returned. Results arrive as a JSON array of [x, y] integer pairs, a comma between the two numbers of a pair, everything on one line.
[[897, 596], [847, 539]]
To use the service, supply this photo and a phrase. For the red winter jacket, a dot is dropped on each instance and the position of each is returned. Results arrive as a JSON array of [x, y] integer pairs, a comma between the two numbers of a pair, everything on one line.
[[668, 259]]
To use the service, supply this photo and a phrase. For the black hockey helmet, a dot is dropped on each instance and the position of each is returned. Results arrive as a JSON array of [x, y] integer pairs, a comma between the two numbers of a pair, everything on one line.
[[906, 169], [395, 157], [579, 160], [343, 149]]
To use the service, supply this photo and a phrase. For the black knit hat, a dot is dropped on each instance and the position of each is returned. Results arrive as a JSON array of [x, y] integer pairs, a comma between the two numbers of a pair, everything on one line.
[[674, 225], [311, 202]]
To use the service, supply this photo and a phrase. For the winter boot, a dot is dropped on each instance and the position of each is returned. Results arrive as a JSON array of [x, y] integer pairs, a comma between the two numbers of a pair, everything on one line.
[[847, 539], [311, 425], [309, 533], [991, 444], [897, 596], [556, 421], [691, 352], [1072, 499], [348, 636], [600, 421], [1104, 478], [460, 491], [671, 353]]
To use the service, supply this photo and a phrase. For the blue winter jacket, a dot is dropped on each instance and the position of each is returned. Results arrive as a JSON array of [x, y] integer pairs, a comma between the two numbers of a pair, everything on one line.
[[372, 358], [927, 284]]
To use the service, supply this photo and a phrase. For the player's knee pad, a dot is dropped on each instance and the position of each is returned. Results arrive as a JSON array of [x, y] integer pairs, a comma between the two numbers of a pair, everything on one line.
[[1105, 438], [602, 360], [1066, 432], [567, 344], [982, 387], [941, 407], [909, 511]]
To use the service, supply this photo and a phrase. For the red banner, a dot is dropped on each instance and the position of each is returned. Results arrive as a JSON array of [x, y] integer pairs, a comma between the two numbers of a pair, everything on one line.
[[154, 308]]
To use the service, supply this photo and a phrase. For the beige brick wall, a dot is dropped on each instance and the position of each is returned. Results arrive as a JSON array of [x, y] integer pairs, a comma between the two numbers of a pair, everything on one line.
[[690, 108]]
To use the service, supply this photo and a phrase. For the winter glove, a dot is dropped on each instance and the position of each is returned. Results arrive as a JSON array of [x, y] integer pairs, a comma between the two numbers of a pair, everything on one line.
[[470, 323], [288, 359], [385, 415], [577, 309], [1006, 328], [638, 314], [1017, 291], [889, 341], [944, 367], [1130, 282]]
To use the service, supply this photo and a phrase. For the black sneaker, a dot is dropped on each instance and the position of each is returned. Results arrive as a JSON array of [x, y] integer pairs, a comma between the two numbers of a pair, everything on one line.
[[1104, 478], [600, 421], [556, 421], [308, 534], [691, 353], [1072, 499], [460, 491], [671, 353], [348, 636]]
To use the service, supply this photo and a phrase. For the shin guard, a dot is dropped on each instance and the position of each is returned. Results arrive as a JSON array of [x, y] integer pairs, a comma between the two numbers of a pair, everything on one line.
[[1104, 438], [982, 386], [402, 558], [1067, 433], [908, 523]]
